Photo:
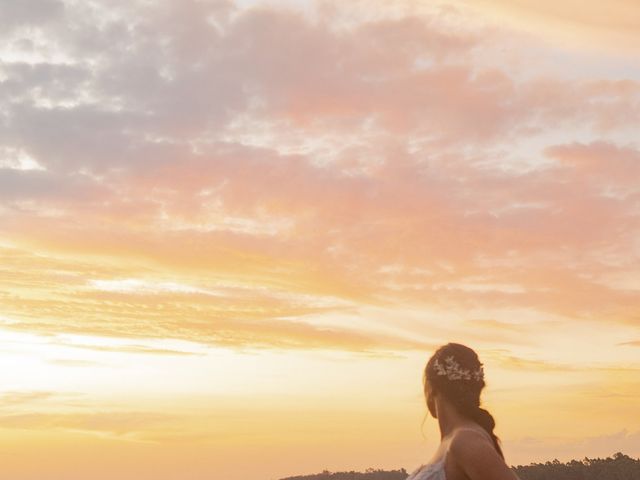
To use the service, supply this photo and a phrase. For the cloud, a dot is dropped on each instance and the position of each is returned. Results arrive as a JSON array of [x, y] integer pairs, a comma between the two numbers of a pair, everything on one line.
[[26, 13], [521, 364], [140, 98], [602, 163], [617, 32], [365, 177], [111, 423], [234, 333], [142, 349], [220, 154], [21, 188], [20, 397]]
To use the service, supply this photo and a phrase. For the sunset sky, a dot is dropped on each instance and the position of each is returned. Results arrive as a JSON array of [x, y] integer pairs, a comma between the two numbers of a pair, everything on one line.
[[232, 233]]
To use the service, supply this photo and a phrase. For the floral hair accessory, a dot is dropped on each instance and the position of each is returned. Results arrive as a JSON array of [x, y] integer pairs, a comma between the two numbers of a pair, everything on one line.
[[452, 370]]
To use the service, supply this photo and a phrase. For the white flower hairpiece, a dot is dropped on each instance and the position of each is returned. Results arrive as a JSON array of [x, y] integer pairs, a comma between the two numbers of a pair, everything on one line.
[[452, 370]]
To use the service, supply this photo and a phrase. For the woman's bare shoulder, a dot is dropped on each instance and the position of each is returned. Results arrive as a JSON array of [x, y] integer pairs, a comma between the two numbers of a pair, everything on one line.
[[474, 452], [468, 440]]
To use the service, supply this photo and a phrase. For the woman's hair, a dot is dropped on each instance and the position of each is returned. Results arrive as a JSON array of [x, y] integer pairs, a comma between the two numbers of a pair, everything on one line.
[[455, 372]]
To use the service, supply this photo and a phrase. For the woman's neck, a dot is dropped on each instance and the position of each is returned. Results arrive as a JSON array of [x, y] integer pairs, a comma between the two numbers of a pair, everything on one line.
[[449, 419]]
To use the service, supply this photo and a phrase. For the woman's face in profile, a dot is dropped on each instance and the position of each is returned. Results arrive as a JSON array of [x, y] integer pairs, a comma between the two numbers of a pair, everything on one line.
[[430, 398]]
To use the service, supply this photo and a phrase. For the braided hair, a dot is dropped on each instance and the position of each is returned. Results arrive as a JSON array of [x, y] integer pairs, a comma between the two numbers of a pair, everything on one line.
[[455, 372]]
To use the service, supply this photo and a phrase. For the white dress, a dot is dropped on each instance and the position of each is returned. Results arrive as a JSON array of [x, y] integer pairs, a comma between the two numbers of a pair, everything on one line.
[[435, 471]]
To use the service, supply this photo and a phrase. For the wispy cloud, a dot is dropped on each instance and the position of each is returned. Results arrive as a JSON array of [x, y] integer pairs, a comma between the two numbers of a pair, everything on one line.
[[112, 423], [216, 160]]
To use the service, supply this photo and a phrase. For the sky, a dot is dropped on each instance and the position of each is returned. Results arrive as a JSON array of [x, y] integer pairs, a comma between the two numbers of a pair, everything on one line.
[[232, 233]]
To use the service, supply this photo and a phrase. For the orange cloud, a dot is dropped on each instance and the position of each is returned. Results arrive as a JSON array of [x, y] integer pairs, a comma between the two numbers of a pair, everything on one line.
[[573, 23]]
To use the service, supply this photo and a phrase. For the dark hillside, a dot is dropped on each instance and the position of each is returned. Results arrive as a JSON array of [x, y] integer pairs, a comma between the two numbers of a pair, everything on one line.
[[617, 467]]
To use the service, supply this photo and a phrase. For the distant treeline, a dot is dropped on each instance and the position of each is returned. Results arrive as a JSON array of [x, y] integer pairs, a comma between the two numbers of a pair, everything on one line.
[[618, 467], [368, 474]]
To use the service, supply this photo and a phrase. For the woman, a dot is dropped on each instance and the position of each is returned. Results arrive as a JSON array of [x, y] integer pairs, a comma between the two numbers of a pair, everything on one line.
[[469, 450]]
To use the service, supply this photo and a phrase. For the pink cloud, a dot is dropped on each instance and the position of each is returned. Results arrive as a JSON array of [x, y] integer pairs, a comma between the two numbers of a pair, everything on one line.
[[313, 159]]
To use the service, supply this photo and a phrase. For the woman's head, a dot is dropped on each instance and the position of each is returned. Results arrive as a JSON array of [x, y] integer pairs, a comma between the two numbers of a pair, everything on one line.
[[454, 373]]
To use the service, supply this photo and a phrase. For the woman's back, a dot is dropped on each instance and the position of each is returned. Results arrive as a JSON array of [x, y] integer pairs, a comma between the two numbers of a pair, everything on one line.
[[438, 470]]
